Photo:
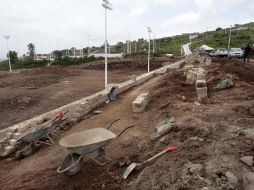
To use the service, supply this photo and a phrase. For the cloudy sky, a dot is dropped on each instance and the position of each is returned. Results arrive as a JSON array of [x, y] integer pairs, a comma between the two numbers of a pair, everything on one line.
[[54, 24]]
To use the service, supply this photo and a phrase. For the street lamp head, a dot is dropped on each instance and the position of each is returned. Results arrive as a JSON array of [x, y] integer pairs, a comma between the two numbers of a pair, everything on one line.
[[107, 5], [6, 37], [149, 29]]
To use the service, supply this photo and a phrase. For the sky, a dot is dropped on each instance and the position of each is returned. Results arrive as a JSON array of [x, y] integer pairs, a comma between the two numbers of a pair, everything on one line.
[[60, 24]]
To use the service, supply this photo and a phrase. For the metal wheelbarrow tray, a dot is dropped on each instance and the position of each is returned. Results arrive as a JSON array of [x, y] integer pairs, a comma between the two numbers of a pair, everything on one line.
[[36, 135], [83, 143], [88, 141]]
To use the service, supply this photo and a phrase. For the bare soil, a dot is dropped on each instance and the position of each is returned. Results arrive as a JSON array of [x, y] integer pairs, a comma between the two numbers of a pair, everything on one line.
[[32, 92], [210, 134]]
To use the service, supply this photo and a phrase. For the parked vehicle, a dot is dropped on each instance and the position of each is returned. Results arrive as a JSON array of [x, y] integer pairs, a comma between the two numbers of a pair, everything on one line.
[[221, 52], [235, 52], [212, 54]]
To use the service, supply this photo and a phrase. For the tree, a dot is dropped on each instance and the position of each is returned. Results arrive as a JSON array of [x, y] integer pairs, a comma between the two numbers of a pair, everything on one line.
[[58, 54], [13, 56], [31, 49], [219, 29]]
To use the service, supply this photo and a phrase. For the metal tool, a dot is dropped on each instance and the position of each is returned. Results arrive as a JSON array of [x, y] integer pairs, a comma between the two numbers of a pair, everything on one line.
[[131, 167], [93, 113]]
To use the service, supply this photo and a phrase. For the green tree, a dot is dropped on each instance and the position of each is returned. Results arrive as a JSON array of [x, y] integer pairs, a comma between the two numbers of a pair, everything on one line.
[[218, 29], [58, 54], [13, 55], [31, 49]]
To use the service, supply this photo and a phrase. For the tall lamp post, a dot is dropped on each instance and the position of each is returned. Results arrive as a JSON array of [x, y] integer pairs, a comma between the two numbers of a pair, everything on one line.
[[107, 6], [229, 38], [7, 37], [149, 34]]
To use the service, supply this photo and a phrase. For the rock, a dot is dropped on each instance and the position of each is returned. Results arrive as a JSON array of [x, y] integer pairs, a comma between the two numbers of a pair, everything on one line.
[[251, 111], [247, 160], [183, 98], [195, 168], [121, 164], [8, 150], [25, 99], [164, 129], [249, 133], [197, 103], [248, 181], [232, 179]]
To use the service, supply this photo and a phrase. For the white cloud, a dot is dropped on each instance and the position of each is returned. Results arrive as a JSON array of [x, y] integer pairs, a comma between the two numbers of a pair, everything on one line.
[[183, 19], [46, 22]]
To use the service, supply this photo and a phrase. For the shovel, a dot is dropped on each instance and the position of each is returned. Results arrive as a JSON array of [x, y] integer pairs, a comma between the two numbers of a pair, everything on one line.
[[93, 113], [134, 165]]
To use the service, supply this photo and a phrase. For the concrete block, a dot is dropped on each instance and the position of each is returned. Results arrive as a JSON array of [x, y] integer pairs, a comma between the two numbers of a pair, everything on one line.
[[134, 78], [140, 103], [13, 129], [23, 128], [201, 76], [13, 142], [208, 61], [17, 135], [200, 83], [190, 78], [202, 93], [9, 135], [200, 70], [8, 150]]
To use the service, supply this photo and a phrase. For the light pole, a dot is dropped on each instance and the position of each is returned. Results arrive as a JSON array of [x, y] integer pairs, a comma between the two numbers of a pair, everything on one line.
[[107, 6], [7, 37], [229, 38], [153, 43], [88, 39], [149, 34]]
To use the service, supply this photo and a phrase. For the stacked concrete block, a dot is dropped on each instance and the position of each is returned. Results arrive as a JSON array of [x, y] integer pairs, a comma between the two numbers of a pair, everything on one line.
[[140, 103], [201, 89], [190, 77], [208, 61]]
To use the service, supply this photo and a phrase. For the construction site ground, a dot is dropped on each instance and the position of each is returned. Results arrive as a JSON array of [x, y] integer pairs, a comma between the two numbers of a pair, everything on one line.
[[211, 136], [28, 93]]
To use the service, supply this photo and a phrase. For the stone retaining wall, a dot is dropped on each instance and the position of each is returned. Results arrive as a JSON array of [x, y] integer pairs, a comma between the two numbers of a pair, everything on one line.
[[80, 107]]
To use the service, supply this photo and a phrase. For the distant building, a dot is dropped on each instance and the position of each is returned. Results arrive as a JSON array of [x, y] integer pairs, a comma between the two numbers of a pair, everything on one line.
[[240, 28], [41, 57]]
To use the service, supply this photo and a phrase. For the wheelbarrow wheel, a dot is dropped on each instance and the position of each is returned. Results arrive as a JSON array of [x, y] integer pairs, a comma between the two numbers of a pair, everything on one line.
[[27, 149], [71, 165]]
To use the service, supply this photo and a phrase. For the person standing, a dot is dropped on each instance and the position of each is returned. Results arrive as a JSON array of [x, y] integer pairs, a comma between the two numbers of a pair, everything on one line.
[[246, 54]]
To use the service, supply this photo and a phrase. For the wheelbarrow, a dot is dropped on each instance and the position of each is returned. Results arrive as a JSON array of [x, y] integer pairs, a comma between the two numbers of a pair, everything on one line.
[[37, 136], [83, 143]]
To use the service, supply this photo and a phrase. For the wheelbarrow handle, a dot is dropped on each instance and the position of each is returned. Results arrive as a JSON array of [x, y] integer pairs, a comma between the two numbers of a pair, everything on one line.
[[110, 125], [125, 130]]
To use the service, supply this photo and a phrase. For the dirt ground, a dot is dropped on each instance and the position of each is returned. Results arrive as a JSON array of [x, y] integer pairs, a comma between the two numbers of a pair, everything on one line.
[[36, 91], [211, 135]]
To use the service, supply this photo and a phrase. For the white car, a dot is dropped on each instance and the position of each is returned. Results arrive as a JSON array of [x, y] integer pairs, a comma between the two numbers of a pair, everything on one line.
[[221, 52], [235, 52]]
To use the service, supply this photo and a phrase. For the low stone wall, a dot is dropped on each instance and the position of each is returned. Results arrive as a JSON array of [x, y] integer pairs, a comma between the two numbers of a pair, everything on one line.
[[78, 108]]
